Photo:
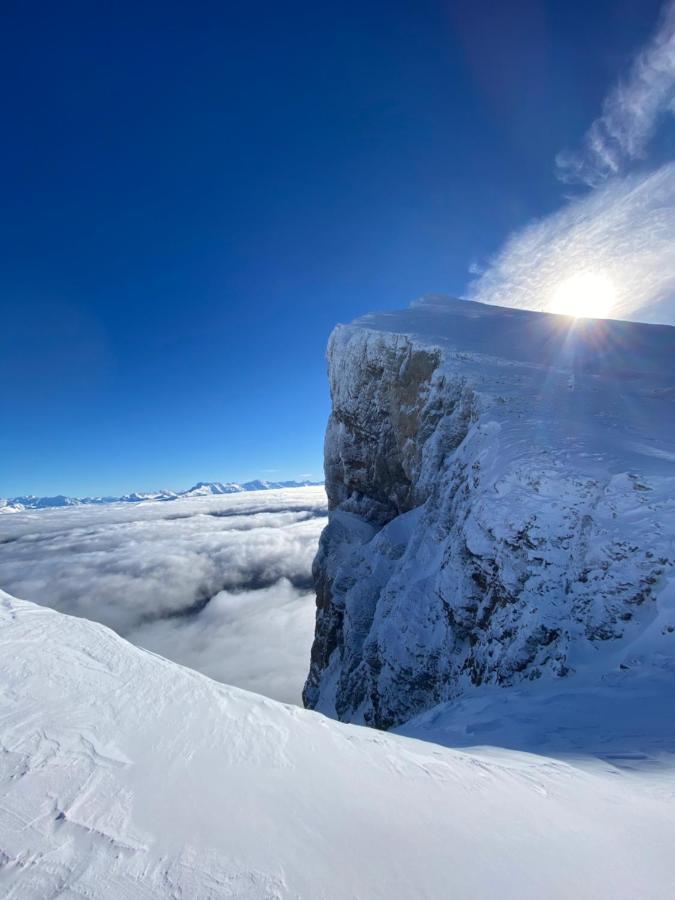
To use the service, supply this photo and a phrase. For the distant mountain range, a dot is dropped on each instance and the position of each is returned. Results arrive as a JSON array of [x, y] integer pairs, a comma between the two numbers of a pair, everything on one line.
[[201, 489]]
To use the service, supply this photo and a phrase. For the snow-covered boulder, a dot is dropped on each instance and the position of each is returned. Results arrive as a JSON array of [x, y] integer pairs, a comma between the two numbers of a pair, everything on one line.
[[501, 488]]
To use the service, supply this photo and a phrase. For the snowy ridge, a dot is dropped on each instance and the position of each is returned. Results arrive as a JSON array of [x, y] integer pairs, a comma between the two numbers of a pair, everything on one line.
[[201, 489], [501, 490], [126, 776]]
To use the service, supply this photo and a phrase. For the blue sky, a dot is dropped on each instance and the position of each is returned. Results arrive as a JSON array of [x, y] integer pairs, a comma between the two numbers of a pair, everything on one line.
[[194, 194]]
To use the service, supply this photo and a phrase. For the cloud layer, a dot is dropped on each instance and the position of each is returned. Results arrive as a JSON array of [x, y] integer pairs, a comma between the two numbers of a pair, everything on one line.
[[219, 584]]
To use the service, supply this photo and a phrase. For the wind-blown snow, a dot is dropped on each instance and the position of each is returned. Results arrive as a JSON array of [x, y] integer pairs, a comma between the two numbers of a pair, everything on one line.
[[125, 776], [219, 583]]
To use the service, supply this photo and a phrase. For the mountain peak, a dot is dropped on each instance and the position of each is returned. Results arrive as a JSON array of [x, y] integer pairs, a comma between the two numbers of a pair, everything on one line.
[[200, 489]]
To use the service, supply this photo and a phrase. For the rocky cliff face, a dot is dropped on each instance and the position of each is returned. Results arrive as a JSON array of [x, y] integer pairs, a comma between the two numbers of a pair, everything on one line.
[[501, 490]]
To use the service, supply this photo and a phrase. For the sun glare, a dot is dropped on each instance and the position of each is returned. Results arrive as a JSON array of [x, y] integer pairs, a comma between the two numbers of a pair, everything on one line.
[[586, 295]]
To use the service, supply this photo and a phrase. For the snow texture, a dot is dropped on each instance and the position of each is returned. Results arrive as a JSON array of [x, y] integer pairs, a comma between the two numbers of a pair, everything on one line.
[[501, 489], [123, 775]]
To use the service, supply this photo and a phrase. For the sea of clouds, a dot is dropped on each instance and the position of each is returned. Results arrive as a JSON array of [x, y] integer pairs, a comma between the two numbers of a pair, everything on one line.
[[220, 584]]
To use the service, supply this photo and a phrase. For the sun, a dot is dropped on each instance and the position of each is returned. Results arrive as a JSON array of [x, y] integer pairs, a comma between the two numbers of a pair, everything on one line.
[[587, 295]]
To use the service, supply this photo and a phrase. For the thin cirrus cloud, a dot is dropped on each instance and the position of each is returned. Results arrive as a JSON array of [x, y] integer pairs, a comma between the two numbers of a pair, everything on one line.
[[220, 584], [630, 114], [623, 228]]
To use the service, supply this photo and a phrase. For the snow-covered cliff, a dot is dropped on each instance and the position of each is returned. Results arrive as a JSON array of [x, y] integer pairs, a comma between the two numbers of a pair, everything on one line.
[[502, 507]]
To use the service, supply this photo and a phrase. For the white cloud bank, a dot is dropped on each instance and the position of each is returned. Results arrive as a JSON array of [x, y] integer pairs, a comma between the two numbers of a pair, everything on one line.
[[219, 584], [259, 640], [623, 231]]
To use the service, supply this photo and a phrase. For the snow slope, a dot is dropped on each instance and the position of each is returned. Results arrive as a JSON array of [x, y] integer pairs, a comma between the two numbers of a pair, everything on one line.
[[125, 776], [501, 489]]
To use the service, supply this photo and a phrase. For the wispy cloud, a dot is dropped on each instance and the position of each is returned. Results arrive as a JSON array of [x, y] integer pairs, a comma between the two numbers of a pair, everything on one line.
[[630, 113], [623, 230], [221, 584]]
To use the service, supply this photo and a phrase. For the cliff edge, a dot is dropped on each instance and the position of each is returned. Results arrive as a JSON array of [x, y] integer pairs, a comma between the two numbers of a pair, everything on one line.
[[501, 488]]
